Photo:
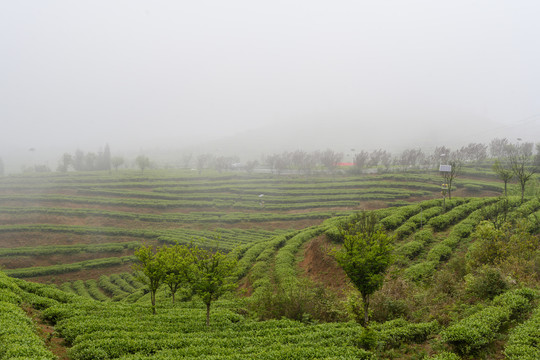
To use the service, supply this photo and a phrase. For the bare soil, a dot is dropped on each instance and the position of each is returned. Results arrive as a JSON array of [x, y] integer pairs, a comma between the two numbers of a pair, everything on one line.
[[36, 238], [15, 262], [46, 332], [84, 275], [320, 266]]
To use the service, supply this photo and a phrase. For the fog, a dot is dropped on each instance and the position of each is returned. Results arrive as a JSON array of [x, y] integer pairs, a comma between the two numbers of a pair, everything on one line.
[[257, 77]]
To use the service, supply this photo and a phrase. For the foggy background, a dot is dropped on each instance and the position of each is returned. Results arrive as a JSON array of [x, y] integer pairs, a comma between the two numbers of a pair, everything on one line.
[[253, 77]]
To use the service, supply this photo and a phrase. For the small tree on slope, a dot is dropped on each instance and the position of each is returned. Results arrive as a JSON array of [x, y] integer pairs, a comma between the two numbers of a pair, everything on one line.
[[212, 277], [365, 256]]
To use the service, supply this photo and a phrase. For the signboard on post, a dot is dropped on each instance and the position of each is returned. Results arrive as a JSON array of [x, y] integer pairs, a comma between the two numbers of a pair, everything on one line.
[[445, 168]]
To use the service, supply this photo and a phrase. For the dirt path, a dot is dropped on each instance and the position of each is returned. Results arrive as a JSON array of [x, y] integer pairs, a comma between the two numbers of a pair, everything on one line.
[[46, 332]]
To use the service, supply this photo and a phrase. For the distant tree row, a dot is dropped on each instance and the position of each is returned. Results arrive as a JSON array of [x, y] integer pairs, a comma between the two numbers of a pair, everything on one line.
[[219, 163], [304, 162], [516, 161], [81, 161]]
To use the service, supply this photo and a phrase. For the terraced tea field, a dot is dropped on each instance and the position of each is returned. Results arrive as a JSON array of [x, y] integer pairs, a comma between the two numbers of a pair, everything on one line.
[[424, 309], [77, 226]]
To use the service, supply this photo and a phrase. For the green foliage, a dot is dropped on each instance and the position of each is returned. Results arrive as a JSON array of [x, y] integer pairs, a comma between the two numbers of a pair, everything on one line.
[[445, 356], [150, 269], [524, 340], [178, 262], [396, 332], [494, 246], [65, 268], [441, 222], [365, 256], [439, 252], [18, 339], [421, 271], [476, 331], [213, 276], [112, 289], [300, 300], [486, 282]]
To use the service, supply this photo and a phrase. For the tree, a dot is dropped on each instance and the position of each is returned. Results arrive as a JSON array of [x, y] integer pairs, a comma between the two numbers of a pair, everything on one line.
[[521, 162], [1, 167], [537, 156], [473, 152], [360, 160], [104, 159], [438, 154], [503, 172], [116, 162], [224, 162], [365, 256], [186, 159], [411, 157], [202, 162], [498, 148], [150, 271], [331, 159], [65, 161], [78, 160], [212, 277], [177, 261], [449, 177], [251, 165], [142, 162]]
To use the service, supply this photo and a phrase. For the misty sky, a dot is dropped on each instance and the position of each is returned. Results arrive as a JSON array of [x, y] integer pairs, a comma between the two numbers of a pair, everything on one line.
[[79, 74]]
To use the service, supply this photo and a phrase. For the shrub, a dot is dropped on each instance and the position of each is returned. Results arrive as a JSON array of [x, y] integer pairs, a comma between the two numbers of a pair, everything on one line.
[[487, 282], [367, 339], [516, 303], [477, 330], [421, 271], [439, 252], [425, 235], [301, 301], [523, 341], [411, 249], [445, 356]]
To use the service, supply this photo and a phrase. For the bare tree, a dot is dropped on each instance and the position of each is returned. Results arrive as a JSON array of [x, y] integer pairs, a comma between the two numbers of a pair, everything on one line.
[[277, 162], [251, 165], [330, 159], [438, 154], [186, 160], [498, 148], [116, 162], [521, 162], [411, 157], [65, 161], [504, 172], [360, 160], [473, 152], [222, 163], [450, 176], [203, 161], [386, 160], [537, 157], [142, 162]]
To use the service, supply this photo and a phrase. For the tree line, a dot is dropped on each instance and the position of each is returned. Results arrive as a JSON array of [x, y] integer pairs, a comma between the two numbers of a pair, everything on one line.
[[208, 274], [305, 162]]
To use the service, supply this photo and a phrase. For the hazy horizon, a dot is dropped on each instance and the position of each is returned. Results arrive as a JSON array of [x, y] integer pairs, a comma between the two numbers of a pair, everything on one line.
[[141, 75]]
